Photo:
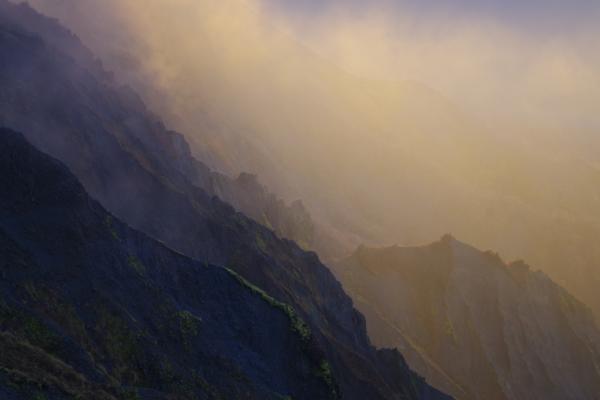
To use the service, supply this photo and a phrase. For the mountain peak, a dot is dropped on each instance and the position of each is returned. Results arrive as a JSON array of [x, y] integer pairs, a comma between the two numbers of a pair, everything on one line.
[[448, 238], [474, 325]]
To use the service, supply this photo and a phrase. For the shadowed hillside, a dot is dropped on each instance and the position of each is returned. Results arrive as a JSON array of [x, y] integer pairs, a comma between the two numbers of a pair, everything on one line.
[[92, 309]]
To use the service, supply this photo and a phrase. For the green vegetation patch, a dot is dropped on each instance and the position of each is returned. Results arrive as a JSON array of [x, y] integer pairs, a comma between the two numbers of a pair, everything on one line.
[[109, 224], [260, 243], [326, 374], [297, 324], [188, 325], [136, 265]]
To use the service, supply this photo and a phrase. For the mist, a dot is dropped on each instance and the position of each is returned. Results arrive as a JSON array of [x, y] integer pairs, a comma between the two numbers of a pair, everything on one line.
[[393, 124]]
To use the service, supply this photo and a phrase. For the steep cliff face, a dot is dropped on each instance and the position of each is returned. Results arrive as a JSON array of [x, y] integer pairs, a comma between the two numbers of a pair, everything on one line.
[[91, 308], [67, 106], [475, 326]]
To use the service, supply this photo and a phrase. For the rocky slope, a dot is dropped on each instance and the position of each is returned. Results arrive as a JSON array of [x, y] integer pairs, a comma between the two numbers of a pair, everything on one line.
[[475, 326], [245, 193], [91, 308], [57, 93]]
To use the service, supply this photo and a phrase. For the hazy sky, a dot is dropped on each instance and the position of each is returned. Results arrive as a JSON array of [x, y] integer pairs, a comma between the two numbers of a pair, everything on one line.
[[534, 15], [534, 55], [467, 116]]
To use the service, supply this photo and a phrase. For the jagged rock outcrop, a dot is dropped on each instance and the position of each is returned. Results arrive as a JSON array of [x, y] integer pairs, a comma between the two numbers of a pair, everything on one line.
[[475, 326], [248, 195], [70, 108]]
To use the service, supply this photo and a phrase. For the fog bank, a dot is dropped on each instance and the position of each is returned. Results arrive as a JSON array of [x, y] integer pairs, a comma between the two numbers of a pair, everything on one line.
[[393, 125]]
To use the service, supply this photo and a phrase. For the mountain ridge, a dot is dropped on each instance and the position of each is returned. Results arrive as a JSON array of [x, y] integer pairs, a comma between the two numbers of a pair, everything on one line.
[[494, 329], [78, 289]]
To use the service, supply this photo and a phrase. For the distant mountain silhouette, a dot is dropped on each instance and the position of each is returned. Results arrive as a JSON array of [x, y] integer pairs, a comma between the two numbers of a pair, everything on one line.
[[474, 326]]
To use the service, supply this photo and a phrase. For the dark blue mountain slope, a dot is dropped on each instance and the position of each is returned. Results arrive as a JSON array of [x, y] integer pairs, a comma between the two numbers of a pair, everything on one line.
[[92, 308]]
